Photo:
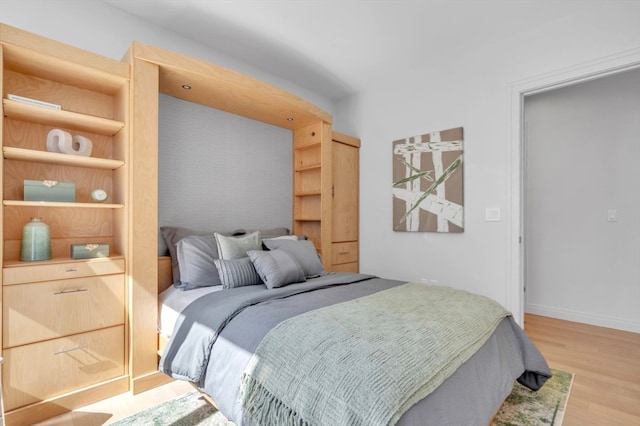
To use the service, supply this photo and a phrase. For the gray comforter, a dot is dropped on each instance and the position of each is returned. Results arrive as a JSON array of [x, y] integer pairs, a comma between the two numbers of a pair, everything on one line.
[[215, 337]]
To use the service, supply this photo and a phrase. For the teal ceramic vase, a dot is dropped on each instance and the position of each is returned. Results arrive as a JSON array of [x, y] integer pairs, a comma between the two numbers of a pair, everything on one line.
[[36, 241]]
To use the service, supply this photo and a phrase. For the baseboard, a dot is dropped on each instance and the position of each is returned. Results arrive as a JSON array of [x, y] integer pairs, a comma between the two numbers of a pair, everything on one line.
[[583, 317], [149, 381], [61, 404]]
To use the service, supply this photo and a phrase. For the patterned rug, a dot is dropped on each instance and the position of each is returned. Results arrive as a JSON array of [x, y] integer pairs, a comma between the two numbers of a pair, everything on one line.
[[545, 407], [522, 408]]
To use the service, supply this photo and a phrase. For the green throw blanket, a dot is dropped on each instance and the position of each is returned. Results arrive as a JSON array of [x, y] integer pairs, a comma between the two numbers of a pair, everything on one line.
[[365, 361]]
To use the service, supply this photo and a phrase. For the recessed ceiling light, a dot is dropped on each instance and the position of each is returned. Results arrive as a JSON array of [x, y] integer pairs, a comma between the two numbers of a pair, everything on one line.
[[289, 118], [186, 87]]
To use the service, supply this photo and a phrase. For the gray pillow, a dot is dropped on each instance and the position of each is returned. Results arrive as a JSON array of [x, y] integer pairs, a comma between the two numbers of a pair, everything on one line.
[[173, 234], [277, 268], [237, 272], [303, 251], [237, 247], [196, 255]]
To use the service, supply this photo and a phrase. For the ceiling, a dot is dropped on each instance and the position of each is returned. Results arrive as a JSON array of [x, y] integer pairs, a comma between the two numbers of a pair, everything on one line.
[[340, 47]]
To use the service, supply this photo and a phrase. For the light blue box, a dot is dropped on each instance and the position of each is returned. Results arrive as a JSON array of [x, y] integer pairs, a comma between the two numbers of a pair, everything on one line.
[[89, 251], [49, 190]]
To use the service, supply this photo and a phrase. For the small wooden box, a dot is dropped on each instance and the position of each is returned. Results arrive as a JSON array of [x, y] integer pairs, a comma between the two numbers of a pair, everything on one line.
[[49, 190], [89, 251]]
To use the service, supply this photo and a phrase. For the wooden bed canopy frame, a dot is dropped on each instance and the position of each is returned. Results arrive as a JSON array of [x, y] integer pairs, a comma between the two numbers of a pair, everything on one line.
[[154, 71]]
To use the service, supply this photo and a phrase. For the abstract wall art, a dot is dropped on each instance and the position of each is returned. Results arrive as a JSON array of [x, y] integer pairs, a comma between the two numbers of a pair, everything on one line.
[[428, 182]]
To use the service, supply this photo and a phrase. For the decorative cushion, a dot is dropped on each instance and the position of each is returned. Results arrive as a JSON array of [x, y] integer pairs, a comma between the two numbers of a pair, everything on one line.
[[237, 272], [195, 258], [237, 247], [286, 237], [173, 234], [303, 251], [277, 268]]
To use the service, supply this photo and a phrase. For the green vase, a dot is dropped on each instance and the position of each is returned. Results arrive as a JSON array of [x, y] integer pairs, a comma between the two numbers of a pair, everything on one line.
[[36, 241]]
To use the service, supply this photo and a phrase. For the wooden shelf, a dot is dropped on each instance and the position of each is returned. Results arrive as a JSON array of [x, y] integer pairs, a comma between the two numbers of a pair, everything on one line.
[[11, 153], [103, 75], [308, 168], [19, 203], [19, 263], [60, 118], [94, 94]]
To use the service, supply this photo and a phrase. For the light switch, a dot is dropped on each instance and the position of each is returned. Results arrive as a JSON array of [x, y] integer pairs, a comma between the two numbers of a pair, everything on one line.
[[612, 215], [492, 214]]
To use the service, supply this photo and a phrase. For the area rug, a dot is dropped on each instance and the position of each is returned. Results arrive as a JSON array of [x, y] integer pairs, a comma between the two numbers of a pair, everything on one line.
[[522, 408]]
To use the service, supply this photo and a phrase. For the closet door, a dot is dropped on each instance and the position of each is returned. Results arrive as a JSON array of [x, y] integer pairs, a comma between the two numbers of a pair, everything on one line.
[[345, 194]]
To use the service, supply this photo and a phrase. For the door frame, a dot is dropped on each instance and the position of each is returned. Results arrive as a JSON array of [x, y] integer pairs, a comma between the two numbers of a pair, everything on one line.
[[597, 68]]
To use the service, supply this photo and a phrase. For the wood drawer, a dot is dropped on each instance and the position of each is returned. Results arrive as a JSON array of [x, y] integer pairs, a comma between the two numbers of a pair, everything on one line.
[[352, 267], [52, 309], [344, 252], [26, 273], [35, 372]]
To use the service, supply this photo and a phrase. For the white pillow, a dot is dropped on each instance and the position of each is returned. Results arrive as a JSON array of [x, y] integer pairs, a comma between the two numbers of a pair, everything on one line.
[[237, 247]]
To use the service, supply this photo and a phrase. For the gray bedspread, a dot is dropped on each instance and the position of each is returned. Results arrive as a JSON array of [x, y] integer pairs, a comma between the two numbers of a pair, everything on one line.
[[215, 338]]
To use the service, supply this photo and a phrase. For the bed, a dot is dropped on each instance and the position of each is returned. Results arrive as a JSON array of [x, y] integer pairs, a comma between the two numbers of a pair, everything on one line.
[[303, 346]]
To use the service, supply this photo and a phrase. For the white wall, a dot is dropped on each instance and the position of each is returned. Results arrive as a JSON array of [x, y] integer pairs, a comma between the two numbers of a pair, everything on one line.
[[583, 159], [101, 28], [470, 90]]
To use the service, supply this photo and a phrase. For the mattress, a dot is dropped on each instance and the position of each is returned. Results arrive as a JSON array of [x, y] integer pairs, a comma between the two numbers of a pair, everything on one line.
[[172, 301], [470, 396]]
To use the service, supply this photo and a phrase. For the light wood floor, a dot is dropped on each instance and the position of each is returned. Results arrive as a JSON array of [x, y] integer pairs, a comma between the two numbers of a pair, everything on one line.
[[606, 388], [606, 364]]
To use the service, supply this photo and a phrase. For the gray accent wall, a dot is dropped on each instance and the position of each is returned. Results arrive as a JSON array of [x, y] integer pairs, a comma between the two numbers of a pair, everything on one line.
[[220, 171]]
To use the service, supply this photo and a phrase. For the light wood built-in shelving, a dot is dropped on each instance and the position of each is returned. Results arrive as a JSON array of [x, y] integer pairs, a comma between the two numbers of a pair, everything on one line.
[[112, 103], [53, 204], [64, 321], [60, 118], [45, 157], [98, 74]]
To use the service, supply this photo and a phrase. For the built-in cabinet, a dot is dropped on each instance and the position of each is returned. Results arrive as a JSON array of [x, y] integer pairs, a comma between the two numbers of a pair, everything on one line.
[[325, 193], [345, 175], [76, 331], [311, 183], [64, 320]]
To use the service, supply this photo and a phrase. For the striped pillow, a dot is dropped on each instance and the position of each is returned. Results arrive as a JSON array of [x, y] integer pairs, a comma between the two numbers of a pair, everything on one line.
[[237, 272]]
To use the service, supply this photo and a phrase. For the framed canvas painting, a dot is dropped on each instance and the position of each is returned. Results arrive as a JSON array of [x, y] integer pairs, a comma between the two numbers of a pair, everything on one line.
[[428, 182]]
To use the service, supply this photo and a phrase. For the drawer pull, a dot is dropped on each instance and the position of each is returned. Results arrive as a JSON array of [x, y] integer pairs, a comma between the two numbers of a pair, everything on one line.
[[78, 290], [64, 351], [343, 252], [71, 270]]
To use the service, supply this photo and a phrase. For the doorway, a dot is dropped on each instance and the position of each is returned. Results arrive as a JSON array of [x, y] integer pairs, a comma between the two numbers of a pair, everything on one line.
[[581, 205]]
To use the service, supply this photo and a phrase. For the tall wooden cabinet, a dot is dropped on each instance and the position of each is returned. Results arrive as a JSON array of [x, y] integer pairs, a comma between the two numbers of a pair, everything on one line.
[[325, 193], [64, 327], [345, 174]]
